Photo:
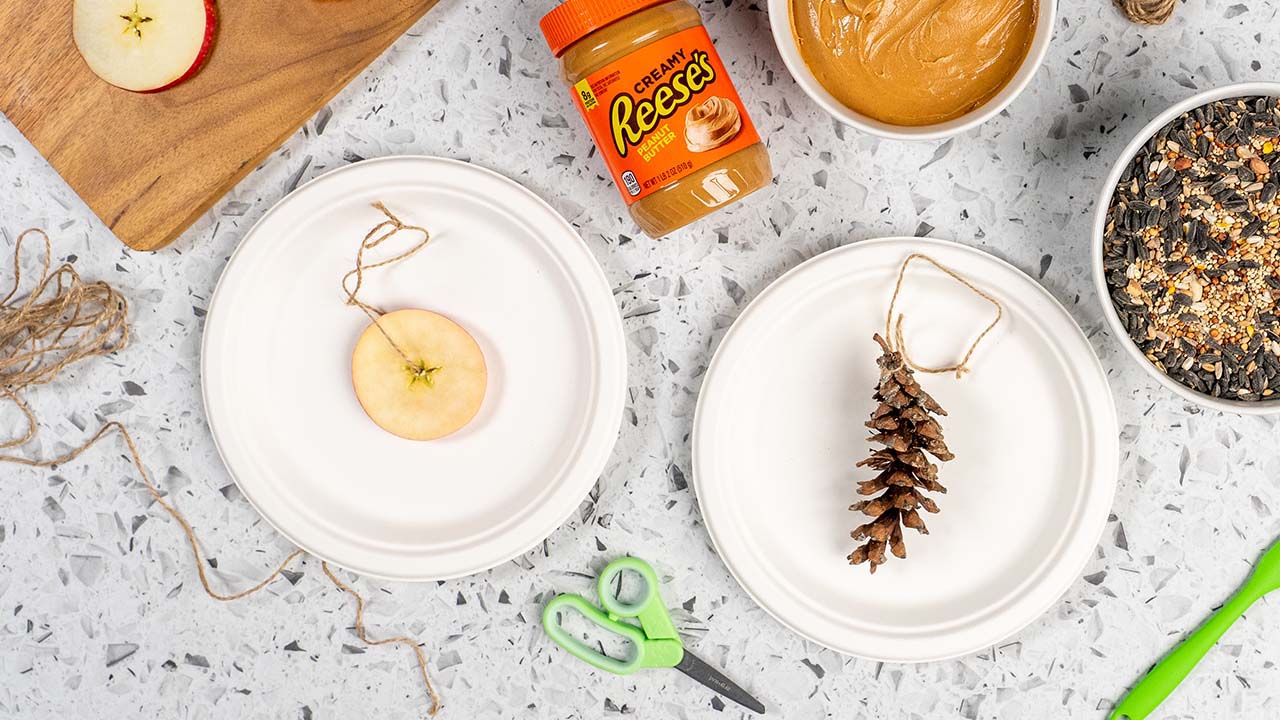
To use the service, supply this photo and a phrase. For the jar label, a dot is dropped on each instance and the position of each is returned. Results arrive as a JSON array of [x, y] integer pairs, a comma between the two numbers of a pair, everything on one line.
[[663, 112]]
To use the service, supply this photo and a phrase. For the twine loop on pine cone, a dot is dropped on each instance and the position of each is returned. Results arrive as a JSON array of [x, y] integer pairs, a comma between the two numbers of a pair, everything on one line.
[[64, 319], [893, 330], [1147, 12]]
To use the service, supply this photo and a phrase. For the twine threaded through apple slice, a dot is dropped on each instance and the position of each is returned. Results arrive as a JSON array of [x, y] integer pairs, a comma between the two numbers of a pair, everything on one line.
[[444, 365], [377, 235], [63, 320]]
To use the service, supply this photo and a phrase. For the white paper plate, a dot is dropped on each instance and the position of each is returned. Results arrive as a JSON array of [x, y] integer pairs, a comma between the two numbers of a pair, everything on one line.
[[779, 427], [277, 357]]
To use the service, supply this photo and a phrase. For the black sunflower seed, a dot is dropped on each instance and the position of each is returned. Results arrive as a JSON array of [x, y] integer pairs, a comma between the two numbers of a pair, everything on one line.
[[1200, 224]]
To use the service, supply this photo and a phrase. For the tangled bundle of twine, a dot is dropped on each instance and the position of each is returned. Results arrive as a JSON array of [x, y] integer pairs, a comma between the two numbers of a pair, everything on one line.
[[61, 320], [1147, 12]]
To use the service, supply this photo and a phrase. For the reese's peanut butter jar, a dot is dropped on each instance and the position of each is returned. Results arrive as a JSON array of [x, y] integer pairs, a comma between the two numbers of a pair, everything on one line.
[[660, 107]]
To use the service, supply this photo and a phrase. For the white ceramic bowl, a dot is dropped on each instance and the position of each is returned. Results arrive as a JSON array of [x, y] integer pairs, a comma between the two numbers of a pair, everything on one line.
[[1265, 407], [780, 20]]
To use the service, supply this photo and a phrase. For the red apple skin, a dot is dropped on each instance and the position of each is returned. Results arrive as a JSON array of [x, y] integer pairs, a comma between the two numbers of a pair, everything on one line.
[[210, 25]]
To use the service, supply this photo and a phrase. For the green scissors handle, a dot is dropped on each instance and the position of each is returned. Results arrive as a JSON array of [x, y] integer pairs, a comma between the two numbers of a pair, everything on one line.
[[653, 643]]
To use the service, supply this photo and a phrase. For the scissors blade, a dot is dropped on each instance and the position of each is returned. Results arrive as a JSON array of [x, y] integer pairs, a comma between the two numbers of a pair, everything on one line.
[[714, 679]]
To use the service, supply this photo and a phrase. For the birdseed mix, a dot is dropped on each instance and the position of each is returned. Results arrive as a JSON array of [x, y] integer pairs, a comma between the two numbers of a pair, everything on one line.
[[1192, 249]]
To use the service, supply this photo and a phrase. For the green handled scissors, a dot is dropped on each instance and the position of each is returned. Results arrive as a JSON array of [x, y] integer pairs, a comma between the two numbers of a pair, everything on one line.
[[654, 642]]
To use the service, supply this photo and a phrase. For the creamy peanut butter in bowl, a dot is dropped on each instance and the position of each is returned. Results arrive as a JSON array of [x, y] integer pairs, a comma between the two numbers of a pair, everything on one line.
[[912, 69]]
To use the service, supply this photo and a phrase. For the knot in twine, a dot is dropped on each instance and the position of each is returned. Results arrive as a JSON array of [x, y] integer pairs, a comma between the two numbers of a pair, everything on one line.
[[379, 234], [64, 319], [1147, 12], [893, 330]]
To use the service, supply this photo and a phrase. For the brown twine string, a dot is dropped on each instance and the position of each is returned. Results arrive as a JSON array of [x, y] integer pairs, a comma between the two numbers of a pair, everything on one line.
[[893, 331], [1147, 12], [64, 319], [399, 640], [380, 233]]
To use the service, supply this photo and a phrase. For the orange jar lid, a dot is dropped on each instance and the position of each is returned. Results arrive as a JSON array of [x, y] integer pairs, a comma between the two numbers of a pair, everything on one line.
[[573, 20]]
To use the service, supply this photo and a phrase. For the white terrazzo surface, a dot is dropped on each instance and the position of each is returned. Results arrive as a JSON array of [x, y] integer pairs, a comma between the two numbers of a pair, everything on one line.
[[101, 614]]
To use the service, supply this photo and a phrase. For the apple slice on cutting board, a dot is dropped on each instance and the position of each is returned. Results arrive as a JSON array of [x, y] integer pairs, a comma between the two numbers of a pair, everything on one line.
[[144, 45], [439, 391]]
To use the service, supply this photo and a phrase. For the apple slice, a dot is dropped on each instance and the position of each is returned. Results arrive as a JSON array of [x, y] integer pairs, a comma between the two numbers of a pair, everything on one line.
[[143, 45], [440, 392]]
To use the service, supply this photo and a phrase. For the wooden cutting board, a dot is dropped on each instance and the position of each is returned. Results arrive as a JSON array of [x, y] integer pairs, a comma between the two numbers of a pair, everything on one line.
[[150, 165]]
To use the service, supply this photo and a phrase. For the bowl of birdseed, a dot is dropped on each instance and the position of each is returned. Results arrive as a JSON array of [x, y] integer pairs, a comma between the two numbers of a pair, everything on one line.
[[1186, 251]]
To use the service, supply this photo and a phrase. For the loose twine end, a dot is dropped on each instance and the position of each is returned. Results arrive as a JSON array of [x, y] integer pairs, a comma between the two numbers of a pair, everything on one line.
[[893, 330], [62, 320]]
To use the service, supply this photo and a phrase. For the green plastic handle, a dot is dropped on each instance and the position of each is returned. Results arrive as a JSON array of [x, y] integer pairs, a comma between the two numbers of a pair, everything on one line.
[[1152, 690], [551, 623], [654, 643], [648, 608]]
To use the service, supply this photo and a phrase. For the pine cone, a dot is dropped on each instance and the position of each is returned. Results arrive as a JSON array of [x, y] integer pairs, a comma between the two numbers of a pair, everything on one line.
[[904, 425]]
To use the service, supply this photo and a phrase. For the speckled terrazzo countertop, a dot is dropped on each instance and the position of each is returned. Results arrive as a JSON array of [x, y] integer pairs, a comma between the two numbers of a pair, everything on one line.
[[101, 614]]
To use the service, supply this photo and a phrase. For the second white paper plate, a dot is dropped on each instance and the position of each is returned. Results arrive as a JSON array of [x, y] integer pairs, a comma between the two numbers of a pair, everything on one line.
[[277, 371], [779, 428]]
